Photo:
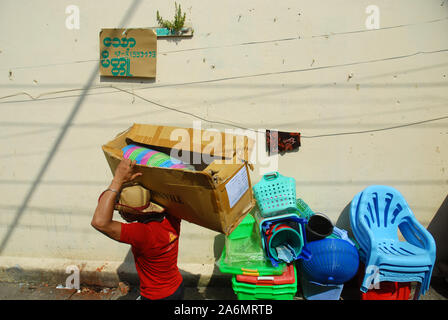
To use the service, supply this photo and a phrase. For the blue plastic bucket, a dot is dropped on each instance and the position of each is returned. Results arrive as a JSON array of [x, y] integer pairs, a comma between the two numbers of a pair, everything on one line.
[[280, 234]]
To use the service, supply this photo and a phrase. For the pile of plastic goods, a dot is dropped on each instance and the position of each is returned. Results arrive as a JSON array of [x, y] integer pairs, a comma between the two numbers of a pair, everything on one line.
[[253, 276], [281, 227], [292, 232], [282, 245]]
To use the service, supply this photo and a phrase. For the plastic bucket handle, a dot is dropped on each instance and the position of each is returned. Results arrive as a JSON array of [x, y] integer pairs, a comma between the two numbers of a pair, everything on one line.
[[271, 176]]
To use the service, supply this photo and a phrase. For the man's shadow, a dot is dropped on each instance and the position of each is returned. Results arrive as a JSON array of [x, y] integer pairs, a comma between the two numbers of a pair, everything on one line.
[[438, 229], [351, 288], [128, 274], [220, 284]]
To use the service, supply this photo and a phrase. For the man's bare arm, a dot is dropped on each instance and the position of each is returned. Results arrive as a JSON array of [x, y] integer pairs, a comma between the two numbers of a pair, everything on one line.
[[102, 218]]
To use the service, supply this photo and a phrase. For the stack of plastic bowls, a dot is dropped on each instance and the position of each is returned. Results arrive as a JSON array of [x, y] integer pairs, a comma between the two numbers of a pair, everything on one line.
[[151, 158]]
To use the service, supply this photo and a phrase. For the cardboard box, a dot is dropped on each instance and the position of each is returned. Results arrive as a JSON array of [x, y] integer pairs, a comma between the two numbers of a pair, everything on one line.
[[217, 197]]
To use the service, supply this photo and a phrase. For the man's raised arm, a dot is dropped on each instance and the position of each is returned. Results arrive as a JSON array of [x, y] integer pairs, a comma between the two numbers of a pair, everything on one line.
[[102, 218]]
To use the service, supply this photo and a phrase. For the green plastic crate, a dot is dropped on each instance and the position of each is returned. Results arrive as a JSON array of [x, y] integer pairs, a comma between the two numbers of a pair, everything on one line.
[[245, 254], [244, 229], [247, 291]]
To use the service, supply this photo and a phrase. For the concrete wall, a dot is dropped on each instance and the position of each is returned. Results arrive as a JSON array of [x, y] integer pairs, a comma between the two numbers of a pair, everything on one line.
[[292, 65]]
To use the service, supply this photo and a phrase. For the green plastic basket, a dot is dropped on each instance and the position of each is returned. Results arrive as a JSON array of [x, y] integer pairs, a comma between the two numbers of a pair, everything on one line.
[[247, 291], [304, 211], [275, 194]]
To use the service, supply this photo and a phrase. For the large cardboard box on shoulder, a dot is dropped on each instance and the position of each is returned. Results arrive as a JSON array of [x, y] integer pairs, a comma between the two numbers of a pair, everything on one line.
[[217, 195]]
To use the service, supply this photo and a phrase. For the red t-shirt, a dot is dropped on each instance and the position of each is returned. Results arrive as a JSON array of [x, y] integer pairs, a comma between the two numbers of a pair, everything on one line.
[[155, 247]]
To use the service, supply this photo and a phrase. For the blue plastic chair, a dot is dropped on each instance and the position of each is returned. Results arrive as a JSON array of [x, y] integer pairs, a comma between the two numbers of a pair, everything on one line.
[[363, 243], [376, 215], [390, 272], [393, 272]]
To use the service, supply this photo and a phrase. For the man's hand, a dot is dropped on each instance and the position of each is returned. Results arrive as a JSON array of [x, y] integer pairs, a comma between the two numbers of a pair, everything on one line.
[[125, 172]]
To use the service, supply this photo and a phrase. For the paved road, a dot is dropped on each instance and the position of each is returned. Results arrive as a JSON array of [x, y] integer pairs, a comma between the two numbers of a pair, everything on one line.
[[24, 291]]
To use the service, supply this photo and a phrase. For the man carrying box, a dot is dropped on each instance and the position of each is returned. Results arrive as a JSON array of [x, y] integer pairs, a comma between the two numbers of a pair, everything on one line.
[[152, 234]]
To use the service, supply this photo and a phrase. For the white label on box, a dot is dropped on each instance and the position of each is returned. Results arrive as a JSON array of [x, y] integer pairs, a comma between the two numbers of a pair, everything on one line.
[[237, 186]]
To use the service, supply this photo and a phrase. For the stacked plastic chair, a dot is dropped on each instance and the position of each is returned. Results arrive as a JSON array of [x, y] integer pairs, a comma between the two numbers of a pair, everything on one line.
[[376, 215]]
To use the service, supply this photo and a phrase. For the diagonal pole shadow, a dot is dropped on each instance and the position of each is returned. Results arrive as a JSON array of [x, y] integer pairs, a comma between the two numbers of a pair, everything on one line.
[[53, 150]]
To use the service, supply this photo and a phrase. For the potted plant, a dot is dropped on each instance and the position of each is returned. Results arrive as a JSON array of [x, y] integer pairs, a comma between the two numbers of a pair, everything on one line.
[[175, 27]]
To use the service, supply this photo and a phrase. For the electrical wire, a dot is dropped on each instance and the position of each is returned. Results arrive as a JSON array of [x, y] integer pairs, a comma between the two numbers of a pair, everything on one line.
[[244, 43], [35, 98], [263, 131], [228, 123], [225, 78], [376, 130]]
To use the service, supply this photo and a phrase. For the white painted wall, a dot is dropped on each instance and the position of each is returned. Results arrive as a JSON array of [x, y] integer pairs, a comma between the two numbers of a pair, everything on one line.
[[293, 76]]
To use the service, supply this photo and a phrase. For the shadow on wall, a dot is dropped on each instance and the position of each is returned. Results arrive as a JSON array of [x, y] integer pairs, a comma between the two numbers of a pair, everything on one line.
[[128, 275], [118, 80], [343, 221], [218, 279], [53, 150], [220, 285], [438, 228]]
